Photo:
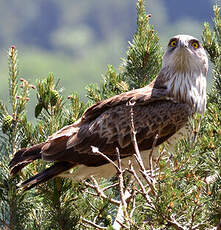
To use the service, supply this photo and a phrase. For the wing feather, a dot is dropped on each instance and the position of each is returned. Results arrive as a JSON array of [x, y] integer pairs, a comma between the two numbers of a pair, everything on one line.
[[143, 95], [107, 125], [111, 129]]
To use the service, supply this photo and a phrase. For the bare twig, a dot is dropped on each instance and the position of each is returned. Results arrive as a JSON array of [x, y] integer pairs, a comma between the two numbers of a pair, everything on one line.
[[137, 152], [120, 218], [196, 227], [96, 150], [175, 224], [111, 186], [133, 195], [93, 224], [122, 214], [144, 192], [100, 191], [121, 225], [160, 156], [91, 193], [121, 184], [92, 206]]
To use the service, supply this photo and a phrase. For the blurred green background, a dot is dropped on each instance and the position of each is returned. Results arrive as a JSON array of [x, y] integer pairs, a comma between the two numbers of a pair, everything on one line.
[[77, 39]]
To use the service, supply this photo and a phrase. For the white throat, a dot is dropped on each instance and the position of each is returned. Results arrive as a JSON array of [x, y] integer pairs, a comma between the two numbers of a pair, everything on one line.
[[188, 87]]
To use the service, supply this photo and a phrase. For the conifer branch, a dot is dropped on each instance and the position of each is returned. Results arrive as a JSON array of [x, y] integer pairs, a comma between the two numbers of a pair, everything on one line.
[[13, 72], [93, 224], [137, 154], [100, 192]]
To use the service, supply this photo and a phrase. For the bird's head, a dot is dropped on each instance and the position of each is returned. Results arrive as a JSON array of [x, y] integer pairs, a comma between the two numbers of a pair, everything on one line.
[[184, 71], [185, 54]]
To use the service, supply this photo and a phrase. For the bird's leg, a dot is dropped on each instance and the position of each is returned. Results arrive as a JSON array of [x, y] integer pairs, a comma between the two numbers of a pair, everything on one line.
[[195, 127], [151, 155]]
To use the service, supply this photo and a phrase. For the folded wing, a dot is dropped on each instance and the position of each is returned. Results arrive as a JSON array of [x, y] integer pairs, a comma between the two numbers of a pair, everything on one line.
[[107, 125]]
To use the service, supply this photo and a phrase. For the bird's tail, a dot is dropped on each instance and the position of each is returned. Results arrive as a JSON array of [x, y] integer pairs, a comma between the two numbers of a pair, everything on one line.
[[25, 156], [47, 174]]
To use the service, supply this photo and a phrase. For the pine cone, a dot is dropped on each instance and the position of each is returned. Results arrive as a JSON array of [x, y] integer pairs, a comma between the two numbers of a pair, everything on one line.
[[6, 123], [108, 220], [54, 97], [24, 142]]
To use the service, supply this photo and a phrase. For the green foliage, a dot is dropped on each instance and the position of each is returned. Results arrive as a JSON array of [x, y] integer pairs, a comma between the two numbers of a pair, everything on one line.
[[21, 210], [144, 54], [141, 66], [187, 192], [14, 205], [6, 123], [112, 85], [212, 43]]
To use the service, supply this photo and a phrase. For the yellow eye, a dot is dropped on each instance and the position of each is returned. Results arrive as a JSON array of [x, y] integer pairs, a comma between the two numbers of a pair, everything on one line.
[[195, 45], [173, 43]]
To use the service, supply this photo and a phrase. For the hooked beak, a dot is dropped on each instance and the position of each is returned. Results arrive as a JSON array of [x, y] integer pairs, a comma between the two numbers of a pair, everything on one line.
[[183, 44]]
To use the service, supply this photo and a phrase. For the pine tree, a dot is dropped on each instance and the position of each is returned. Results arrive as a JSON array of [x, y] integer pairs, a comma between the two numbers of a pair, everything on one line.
[[185, 195]]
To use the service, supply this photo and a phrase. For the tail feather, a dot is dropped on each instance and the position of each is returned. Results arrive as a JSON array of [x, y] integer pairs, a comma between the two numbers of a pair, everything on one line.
[[47, 174], [24, 157], [18, 168]]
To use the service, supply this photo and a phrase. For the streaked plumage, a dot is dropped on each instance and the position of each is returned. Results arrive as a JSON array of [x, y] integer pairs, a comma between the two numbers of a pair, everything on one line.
[[162, 107]]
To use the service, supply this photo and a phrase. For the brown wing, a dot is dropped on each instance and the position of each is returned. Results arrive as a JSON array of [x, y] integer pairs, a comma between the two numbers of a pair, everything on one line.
[[106, 125], [140, 96]]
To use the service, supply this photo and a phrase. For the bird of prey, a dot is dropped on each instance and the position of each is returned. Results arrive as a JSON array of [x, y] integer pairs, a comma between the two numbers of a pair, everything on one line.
[[161, 108]]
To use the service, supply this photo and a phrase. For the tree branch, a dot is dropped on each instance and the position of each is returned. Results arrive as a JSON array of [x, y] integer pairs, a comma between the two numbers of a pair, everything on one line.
[[144, 192], [121, 185], [100, 192], [137, 151], [96, 150], [93, 224]]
